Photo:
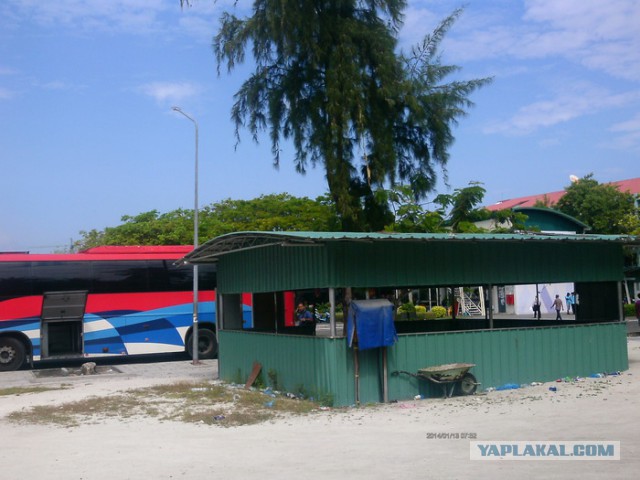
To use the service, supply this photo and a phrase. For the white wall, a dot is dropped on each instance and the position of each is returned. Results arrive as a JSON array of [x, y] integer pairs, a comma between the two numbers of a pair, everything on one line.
[[525, 294]]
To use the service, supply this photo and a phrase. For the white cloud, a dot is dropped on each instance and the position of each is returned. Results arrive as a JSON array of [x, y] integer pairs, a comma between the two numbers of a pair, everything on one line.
[[164, 92], [134, 16], [629, 137], [600, 35], [632, 125], [566, 106]]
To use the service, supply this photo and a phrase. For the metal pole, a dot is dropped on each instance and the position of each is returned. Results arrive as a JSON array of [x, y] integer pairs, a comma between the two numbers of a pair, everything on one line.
[[490, 306], [332, 312], [194, 332]]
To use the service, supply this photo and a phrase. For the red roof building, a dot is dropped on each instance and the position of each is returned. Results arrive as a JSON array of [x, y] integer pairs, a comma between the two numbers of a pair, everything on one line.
[[549, 199]]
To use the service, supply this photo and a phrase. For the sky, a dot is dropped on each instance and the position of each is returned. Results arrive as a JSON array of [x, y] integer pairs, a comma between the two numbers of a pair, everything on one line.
[[87, 132]]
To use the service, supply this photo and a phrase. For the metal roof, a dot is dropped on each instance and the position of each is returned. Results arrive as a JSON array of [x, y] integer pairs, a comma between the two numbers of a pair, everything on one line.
[[212, 250], [552, 212], [631, 185]]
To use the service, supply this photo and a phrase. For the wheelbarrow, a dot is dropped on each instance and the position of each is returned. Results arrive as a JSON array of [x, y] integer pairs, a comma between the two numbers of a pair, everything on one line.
[[451, 376]]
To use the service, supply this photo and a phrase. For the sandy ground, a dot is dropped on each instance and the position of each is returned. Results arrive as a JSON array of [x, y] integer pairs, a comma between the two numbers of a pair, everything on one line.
[[394, 441]]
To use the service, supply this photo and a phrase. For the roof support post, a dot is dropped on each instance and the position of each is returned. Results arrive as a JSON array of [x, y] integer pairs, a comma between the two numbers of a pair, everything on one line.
[[332, 312], [620, 305], [490, 306]]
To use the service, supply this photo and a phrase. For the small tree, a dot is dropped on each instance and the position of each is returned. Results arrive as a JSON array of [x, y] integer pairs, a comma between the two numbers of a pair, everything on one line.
[[603, 207], [455, 212]]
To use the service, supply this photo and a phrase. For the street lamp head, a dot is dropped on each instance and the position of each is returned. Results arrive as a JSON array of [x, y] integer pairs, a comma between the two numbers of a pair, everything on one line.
[[176, 109]]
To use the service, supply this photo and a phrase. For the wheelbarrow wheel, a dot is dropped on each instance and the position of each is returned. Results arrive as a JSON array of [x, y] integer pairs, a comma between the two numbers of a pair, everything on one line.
[[468, 384]]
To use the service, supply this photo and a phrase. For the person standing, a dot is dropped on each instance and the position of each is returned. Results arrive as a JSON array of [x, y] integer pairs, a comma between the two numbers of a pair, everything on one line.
[[638, 309], [536, 307], [557, 304], [568, 302], [303, 315]]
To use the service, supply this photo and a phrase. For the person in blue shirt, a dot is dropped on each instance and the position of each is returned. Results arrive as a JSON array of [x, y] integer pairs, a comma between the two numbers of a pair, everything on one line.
[[303, 315], [568, 300]]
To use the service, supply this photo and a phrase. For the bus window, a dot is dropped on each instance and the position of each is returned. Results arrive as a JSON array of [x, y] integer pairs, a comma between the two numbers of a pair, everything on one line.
[[61, 276], [120, 277], [15, 280]]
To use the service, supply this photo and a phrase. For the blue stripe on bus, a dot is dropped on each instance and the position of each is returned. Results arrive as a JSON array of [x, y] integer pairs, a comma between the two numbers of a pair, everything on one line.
[[104, 345], [30, 323], [159, 330], [127, 326]]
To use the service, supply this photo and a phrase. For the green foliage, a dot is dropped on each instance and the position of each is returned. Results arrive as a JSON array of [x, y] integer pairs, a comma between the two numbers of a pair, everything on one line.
[[438, 311], [544, 203], [259, 382], [508, 221], [328, 77], [603, 207], [410, 217], [273, 379], [407, 311], [462, 203], [455, 212], [276, 212], [629, 310], [407, 308]]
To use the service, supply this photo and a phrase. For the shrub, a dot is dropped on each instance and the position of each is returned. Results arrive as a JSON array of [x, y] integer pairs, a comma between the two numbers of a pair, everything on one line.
[[407, 311], [439, 311], [407, 308], [430, 315], [629, 310], [421, 309]]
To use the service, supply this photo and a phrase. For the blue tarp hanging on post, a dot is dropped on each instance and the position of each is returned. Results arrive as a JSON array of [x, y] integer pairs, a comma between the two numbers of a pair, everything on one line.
[[373, 322]]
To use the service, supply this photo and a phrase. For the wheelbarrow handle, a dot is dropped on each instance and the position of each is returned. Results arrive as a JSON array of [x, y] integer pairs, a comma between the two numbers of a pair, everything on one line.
[[398, 372]]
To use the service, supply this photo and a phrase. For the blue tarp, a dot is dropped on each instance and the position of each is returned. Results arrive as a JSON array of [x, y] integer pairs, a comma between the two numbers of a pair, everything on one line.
[[373, 321]]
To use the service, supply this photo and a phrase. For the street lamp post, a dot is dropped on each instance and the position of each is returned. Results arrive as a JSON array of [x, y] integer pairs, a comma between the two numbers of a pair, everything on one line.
[[194, 333]]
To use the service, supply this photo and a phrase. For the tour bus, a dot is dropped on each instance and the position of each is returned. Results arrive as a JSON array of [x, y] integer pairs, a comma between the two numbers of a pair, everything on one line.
[[103, 301]]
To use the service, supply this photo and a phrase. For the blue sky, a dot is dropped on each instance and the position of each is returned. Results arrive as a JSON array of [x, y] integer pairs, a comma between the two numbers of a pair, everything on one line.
[[87, 133]]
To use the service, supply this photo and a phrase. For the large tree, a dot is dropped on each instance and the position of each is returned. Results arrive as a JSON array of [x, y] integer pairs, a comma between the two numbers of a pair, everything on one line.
[[603, 207], [329, 78], [266, 213]]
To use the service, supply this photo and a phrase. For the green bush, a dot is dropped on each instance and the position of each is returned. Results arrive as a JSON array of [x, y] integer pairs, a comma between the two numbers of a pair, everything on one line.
[[407, 308], [629, 310], [438, 311], [421, 309], [406, 311], [430, 315]]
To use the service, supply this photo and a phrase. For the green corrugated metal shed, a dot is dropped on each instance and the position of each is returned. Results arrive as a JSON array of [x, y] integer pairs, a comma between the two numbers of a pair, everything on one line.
[[324, 367]]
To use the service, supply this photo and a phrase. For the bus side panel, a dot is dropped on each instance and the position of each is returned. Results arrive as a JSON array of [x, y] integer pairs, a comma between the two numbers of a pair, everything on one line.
[[129, 324], [23, 315], [247, 310]]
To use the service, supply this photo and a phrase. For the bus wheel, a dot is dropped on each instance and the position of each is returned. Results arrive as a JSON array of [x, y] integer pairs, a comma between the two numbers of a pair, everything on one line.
[[207, 344], [12, 354]]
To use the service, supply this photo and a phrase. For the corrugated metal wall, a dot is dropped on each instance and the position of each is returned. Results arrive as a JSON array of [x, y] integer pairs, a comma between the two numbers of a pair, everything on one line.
[[312, 364], [272, 269], [433, 263], [324, 367], [510, 355]]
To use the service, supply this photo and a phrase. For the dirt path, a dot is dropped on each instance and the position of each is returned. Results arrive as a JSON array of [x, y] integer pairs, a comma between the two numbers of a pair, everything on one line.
[[395, 441]]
